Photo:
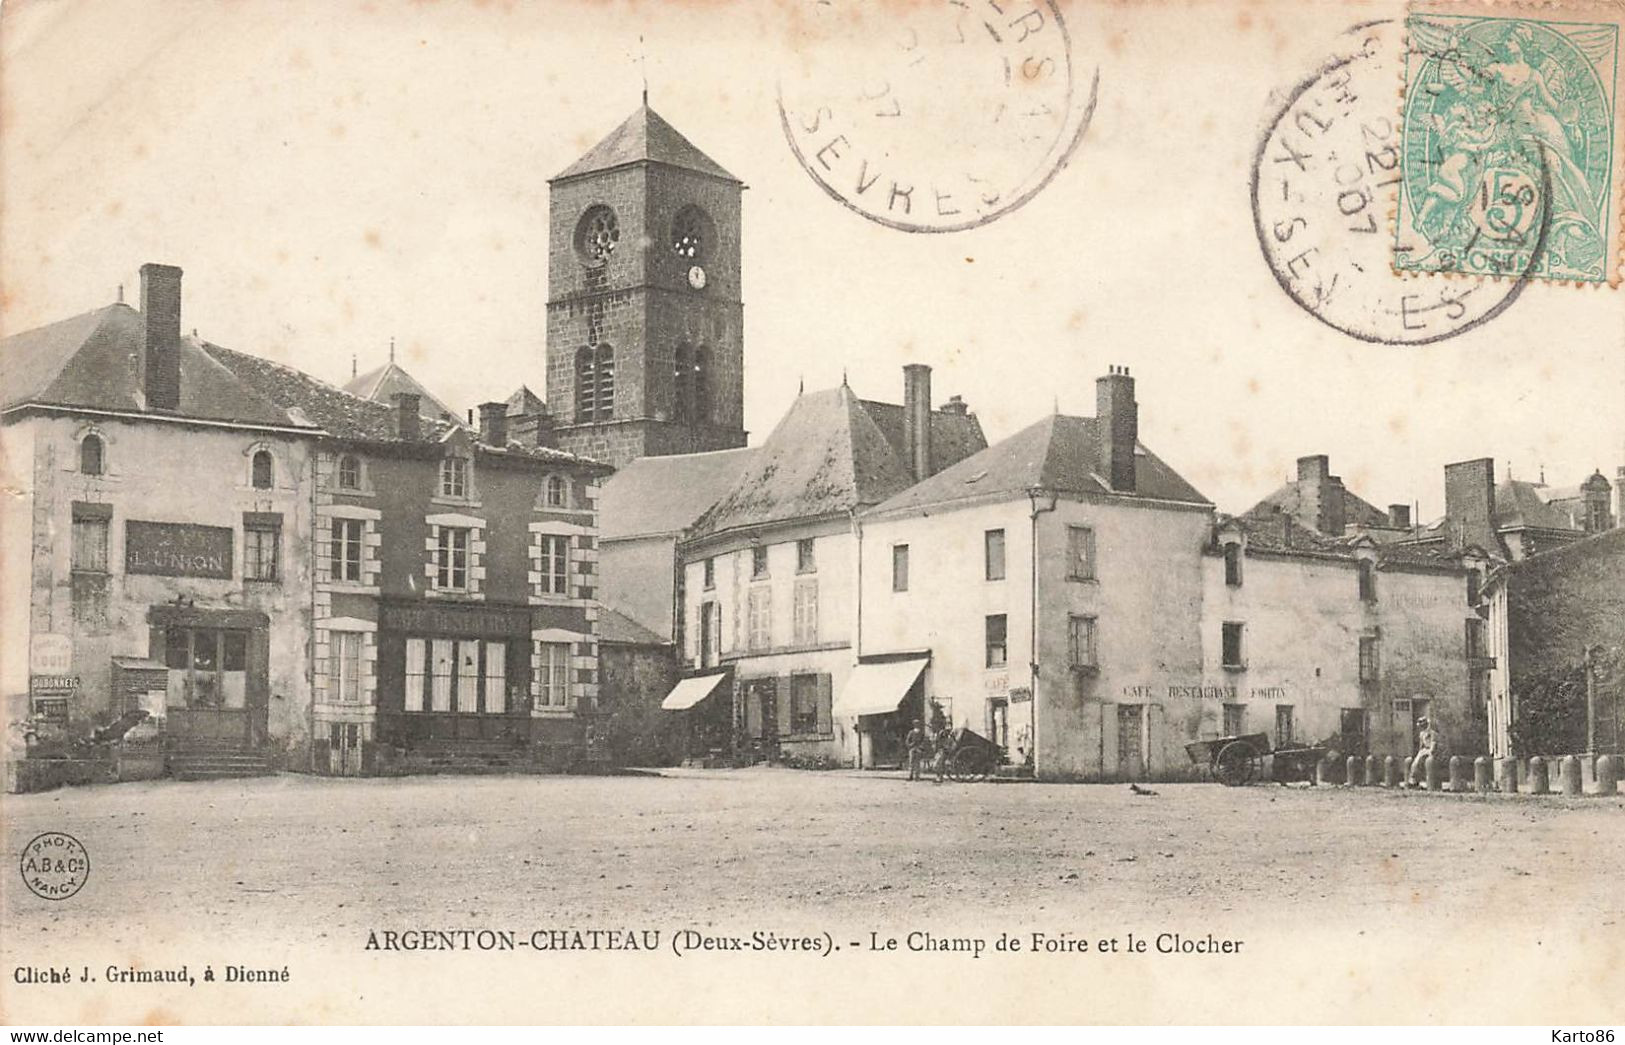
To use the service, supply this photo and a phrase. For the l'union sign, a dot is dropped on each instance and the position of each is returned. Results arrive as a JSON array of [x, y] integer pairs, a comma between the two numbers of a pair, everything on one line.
[[177, 549]]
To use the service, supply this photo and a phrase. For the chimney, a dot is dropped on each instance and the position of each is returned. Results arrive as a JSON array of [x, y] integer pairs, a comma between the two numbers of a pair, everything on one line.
[[546, 434], [1399, 516], [917, 419], [957, 406], [1469, 504], [408, 422], [1322, 495], [494, 424], [159, 361], [1118, 420]]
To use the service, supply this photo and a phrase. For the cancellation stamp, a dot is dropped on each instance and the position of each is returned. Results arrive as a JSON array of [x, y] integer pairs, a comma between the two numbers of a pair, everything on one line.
[[934, 118], [1324, 176], [54, 865], [1510, 156]]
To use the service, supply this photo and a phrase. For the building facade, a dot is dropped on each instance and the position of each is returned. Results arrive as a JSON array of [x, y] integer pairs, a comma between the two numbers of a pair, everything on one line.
[[168, 507]]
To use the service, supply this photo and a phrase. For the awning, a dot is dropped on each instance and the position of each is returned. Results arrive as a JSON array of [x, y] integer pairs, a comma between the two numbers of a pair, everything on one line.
[[689, 692], [876, 689]]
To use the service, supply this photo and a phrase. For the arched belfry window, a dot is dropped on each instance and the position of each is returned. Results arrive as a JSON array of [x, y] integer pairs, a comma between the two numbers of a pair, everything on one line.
[[92, 455], [262, 470], [682, 381], [701, 382], [595, 383]]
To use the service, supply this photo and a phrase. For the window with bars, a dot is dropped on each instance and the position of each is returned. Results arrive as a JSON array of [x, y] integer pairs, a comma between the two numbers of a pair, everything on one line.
[[993, 555], [553, 675], [997, 649], [1080, 553], [555, 562], [346, 551], [262, 543], [805, 623], [1080, 643], [451, 558]]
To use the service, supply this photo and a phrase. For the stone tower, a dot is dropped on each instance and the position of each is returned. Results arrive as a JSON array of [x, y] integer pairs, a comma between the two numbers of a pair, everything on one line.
[[645, 341]]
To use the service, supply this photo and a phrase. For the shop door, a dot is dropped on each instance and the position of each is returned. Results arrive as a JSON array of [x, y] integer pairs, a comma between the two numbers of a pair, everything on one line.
[[344, 749], [1130, 741], [208, 686], [998, 723]]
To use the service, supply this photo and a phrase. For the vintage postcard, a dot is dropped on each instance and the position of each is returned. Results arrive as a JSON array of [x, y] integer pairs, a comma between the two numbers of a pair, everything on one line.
[[981, 511]]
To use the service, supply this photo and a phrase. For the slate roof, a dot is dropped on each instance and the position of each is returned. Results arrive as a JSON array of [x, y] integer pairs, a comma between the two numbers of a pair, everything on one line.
[[1057, 453], [524, 403], [827, 456], [1274, 535], [664, 495], [381, 384], [644, 138], [1520, 504], [348, 416], [617, 627], [954, 436], [90, 361], [1289, 498]]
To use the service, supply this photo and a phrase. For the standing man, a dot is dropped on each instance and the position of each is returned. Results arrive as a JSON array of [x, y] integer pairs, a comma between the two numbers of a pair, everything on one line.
[[915, 742], [1427, 748], [946, 742]]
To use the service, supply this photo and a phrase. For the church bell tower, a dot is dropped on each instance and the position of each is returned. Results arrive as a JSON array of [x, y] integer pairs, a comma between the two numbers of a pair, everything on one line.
[[645, 341]]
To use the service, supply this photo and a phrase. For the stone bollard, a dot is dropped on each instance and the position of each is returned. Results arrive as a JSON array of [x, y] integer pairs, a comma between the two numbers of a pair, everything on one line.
[[1509, 775], [1354, 775], [1323, 771], [1483, 774], [1431, 772], [1458, 770], [1390, 772], [1373, 772], [1608, 775], [1538, 784], [1569, 775]]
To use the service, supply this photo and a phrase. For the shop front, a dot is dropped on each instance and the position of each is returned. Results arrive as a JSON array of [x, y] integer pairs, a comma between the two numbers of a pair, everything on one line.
[[217, 668], [453, 677]]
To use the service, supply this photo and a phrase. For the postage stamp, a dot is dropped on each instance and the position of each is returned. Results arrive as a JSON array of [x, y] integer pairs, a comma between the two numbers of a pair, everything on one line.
[[1511, 136], [1324, 175], [934, 118]]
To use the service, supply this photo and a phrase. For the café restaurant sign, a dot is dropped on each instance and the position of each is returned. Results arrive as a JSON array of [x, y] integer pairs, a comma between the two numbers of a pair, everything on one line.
[[177, 549]]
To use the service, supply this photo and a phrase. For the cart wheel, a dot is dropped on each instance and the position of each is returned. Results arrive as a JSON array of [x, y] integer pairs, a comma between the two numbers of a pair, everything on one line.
[[1235, 764], [967, 766]]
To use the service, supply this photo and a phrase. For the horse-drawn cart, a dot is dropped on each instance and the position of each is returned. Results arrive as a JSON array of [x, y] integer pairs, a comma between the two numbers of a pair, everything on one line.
[[972, 758], [1239, 760]]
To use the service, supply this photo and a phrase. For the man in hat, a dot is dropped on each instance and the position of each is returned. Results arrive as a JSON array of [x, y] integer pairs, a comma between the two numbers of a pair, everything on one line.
[[1427, 748], [915, 742]]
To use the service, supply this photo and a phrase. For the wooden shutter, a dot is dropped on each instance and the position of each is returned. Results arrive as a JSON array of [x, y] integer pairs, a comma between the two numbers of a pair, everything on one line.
[[1156, 727], [826, 716], [786, 710], [753, 709]]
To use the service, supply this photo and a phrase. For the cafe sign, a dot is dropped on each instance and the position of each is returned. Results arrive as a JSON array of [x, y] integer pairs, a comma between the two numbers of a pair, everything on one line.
[[177, 549]]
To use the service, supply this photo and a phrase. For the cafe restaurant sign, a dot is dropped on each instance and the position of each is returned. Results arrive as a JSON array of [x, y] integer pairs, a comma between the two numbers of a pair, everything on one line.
[[177, 549]]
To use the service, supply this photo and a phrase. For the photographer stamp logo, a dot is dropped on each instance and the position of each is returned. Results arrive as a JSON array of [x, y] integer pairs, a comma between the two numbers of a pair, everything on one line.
[[55, 865], [1509, 142]]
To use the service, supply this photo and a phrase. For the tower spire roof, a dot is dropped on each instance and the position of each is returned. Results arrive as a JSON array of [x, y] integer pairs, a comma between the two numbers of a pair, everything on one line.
[[644, 137]]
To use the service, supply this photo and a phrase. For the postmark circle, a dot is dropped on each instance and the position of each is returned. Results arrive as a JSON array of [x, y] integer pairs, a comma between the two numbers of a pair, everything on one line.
[[54, 865], [934, 118], [1324, 176]]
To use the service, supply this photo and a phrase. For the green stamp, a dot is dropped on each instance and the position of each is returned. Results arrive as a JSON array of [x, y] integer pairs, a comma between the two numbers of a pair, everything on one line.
[[1507, 154]]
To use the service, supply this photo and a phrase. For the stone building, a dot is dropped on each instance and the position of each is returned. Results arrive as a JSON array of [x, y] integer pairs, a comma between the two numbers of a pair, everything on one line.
[[1317, 501], [167, 565], [1555, 618], [454, 585], [1515, 518], [645, 321]]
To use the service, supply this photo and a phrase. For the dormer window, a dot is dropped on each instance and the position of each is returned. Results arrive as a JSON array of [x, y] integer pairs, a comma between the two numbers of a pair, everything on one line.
[[349, 472], [261, 470], [92, 455], [557, 492], [454, 477]]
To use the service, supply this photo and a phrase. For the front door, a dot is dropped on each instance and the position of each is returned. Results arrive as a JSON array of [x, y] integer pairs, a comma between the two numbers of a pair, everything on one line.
[[209, 696], [998, 722], [1130, 741], [344, 749]]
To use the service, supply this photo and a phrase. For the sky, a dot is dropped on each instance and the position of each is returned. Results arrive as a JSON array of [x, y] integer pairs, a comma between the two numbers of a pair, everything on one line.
[[333, 175]]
